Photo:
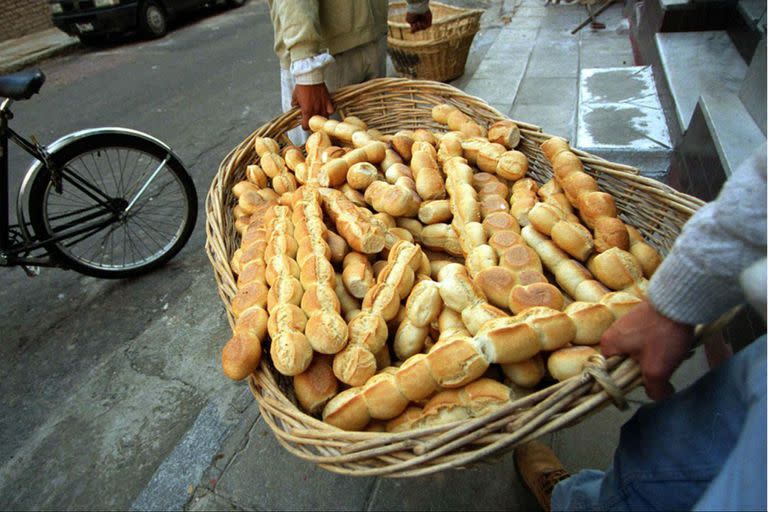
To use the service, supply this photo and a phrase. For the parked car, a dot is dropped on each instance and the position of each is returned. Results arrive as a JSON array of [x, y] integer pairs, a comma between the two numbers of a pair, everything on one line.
[[93, 20]]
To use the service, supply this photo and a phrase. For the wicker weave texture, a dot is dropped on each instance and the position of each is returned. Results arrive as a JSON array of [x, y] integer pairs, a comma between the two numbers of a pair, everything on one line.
[[389, 105], [437, 53]]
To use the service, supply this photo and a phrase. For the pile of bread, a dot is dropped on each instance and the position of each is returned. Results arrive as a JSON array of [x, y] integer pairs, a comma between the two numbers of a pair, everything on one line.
[[408, 280]]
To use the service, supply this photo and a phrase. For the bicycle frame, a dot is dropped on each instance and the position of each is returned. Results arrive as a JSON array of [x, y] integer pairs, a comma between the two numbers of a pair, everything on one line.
[[10, 254]]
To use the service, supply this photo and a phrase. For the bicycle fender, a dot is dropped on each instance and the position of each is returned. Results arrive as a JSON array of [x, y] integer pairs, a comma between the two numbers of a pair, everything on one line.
[[22, 199]]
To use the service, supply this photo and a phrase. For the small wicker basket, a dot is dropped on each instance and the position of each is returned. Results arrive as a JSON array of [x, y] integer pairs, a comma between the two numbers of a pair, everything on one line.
[[389, 105], [437, 53]]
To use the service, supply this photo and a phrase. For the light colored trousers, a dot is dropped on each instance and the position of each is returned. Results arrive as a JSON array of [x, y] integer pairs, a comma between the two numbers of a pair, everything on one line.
[[350, 67], [703, 448]]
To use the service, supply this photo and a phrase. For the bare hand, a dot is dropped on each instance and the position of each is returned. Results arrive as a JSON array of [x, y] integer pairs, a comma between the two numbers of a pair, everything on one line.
[[657, 343], [312, 100], [419, 21]]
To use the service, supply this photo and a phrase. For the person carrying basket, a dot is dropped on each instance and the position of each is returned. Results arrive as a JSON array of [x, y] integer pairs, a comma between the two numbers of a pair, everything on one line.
[[324, 45], [703, 448]]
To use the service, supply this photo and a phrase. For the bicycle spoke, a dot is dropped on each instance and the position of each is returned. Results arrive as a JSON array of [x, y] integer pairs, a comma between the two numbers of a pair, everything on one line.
[[100, 183], [85, 166], [83, 185], [148, 230], [140, 225], [74, 212], [85, 236], [111, 169]]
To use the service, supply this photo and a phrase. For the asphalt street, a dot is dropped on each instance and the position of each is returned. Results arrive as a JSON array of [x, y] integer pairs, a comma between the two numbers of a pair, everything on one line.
[[111, 391], [99, 379]]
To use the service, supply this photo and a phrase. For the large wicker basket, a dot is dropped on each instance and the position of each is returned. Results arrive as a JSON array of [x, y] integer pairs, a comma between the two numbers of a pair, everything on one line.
[[437, 53], [390, 105]]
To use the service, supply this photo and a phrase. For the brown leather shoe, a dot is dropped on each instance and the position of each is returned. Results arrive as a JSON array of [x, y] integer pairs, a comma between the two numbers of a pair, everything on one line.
[[540, 469]]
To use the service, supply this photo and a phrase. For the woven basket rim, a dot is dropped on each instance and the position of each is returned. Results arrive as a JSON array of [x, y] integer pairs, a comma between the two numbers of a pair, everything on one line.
[[458, 14], [400, 455]]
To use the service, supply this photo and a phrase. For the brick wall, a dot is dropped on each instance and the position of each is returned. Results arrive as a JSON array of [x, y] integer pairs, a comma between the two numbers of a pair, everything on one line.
[[21, 17]]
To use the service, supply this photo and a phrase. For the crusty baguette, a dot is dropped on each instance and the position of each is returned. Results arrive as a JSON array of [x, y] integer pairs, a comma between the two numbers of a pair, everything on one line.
[[241, 355], [326, 330], [569, 235], [457, 120], [597, 209], [368, 330], [360, 234], [290, 349], [452, 363], [471, 401]]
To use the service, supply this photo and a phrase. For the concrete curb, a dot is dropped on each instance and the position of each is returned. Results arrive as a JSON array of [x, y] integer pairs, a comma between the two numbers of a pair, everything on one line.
[[25, 51]]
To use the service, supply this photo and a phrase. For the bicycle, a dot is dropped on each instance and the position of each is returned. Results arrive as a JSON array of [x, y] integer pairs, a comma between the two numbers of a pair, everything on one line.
[[106, 202]]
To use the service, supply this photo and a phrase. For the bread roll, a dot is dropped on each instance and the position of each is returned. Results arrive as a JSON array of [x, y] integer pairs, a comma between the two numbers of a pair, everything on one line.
[[570, 236], [504, 132], [569, 362], [473, 400], [432, 212], [429, 181], [357, 274], [362, 174], [527, 373], [317, 385], [648, 258]]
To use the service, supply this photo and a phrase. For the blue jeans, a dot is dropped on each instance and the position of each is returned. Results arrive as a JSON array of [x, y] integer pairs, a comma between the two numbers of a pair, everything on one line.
[[704, 448]]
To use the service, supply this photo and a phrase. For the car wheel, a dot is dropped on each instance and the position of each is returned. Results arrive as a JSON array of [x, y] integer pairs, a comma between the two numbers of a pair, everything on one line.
[[153, 19]]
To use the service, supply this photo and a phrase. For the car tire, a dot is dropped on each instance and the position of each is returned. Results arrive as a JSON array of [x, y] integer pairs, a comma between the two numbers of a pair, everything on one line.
[[153, 19], [95, 41]]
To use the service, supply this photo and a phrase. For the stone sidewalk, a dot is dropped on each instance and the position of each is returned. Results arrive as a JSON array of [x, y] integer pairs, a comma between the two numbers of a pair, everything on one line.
[[26, 50], [531, 68]]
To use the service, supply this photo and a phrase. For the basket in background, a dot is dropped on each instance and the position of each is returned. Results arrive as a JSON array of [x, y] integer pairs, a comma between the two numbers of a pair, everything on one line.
[[393, 104], [437, 53]]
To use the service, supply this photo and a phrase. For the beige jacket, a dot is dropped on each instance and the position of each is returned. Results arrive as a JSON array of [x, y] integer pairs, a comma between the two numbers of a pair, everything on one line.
[[305, 28]]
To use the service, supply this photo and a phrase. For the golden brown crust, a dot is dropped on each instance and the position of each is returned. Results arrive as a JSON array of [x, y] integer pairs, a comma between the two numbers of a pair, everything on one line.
[[317, 385]]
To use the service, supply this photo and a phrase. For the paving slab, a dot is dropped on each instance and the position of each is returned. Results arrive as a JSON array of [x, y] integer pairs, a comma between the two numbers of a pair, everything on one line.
[[619, 108], [489, 485], [620, 118], [122, 404], [513, 34], [606, 52], [265, 476], [488, 89], [560, 59], [512, 64], [551, 92], [552, 119], [208, 500]]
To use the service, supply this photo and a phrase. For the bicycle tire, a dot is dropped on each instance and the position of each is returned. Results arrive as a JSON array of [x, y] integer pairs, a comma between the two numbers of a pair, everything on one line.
[[99, 147]]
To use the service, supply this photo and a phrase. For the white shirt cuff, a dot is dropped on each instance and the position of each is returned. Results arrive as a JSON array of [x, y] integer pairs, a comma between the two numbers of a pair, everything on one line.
[[309, 71]]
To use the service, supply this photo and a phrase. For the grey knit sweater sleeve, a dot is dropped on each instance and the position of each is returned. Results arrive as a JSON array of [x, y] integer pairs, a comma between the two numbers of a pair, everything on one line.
[[699, 278]]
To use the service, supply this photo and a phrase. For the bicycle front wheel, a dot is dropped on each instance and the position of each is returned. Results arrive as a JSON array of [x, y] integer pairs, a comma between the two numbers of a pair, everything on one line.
[[125, 205]]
